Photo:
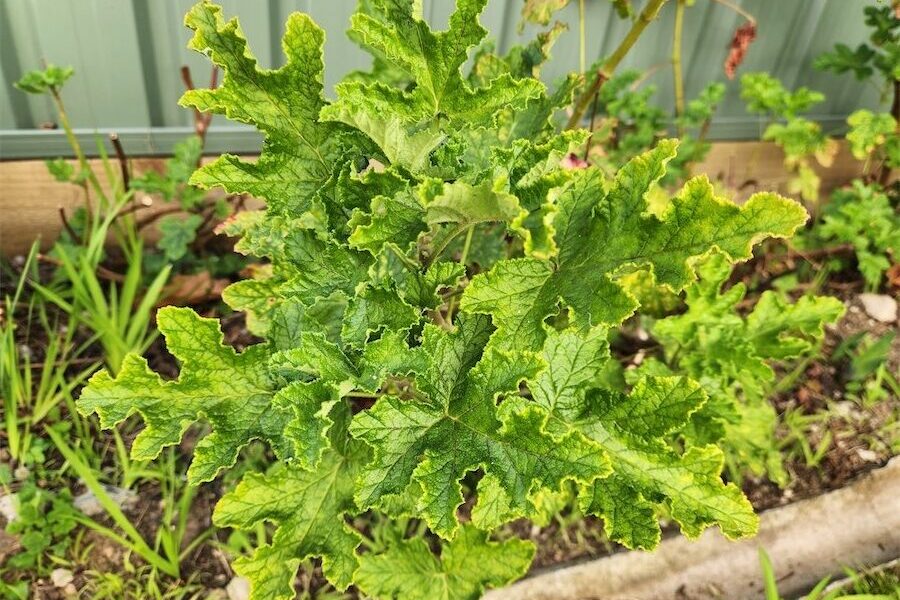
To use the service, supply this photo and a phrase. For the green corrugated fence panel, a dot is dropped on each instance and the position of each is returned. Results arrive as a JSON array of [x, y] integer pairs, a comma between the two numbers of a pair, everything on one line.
[[127, 55]]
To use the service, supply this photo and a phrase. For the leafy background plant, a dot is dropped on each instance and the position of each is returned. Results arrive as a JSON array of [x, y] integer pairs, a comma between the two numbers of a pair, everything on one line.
[[451, 281], [357, 305]]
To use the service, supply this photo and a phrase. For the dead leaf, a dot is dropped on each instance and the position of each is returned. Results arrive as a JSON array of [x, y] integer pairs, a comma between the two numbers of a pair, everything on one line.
[[740, 43], [194, 288]]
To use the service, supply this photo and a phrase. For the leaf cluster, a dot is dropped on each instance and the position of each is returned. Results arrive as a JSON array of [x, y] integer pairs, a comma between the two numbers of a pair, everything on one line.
[[733, 357], [48, 80], [438, 290], [42, 525], [883, 55], [801, 139], [865, 217], [630, 123]]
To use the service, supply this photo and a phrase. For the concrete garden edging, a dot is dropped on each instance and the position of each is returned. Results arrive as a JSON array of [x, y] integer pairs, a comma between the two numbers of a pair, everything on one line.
[[855, 526]]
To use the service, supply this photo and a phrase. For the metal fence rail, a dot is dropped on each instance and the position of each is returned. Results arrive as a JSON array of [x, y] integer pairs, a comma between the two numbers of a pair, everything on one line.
[[127, 55]]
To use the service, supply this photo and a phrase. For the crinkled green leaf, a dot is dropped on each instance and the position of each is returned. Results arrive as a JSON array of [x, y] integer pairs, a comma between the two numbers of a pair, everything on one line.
[[393, 220], [456, 428], [316, 356], [468, 565], [41, 82], [374, 309], [256, 297], [299, 152], [452, 208], [177, 233], [862, 216], [314, 268], [172, 183], [308, 509], [62, 170], [599, 233], [422, 289], [844, 59], [732, 357], [798, 137], [632, 430], [869, 131], [403, 123], [311, 403], [229, 390], [766, 94]]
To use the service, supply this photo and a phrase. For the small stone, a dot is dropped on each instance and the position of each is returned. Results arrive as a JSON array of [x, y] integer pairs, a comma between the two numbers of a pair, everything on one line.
[[867, 455], [61, 577], [8, 508], [880, 307], [70, 591], [238, 589], [88, 504], [843, 409], [21, 473]]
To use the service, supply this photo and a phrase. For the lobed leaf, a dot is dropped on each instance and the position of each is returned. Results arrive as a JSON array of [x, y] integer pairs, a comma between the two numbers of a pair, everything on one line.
[[602, 233], [231, 391], [468, 564]]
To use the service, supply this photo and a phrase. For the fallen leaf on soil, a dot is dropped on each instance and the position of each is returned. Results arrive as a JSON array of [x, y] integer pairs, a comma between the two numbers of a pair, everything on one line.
[[185, 290], [893, 275], [9, 545]]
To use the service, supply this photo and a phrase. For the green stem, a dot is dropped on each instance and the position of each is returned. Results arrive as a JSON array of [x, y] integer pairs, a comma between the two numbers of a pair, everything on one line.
[[407, 261], [606, 71], [581, 39], [462, 260], [73, 141], [677, 74]]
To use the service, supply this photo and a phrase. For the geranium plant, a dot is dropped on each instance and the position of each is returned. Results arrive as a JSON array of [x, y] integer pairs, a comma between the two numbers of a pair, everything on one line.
[[439, 288]]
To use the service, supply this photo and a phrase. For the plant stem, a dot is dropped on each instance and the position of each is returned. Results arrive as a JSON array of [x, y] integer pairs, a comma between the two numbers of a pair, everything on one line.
[[581, 39], [608, 68], [410, 264], [737, 9], [73, 141], [677, 74], [123, 161], [462, 260]]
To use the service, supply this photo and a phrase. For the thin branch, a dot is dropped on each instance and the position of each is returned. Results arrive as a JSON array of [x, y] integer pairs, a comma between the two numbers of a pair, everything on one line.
[[102, 271], [201, 119], [737, 9], [68, 227], [677, 75], [810, 255], [123, 160], [451, 306], [144, 202], [608, 68], [590, 140]]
